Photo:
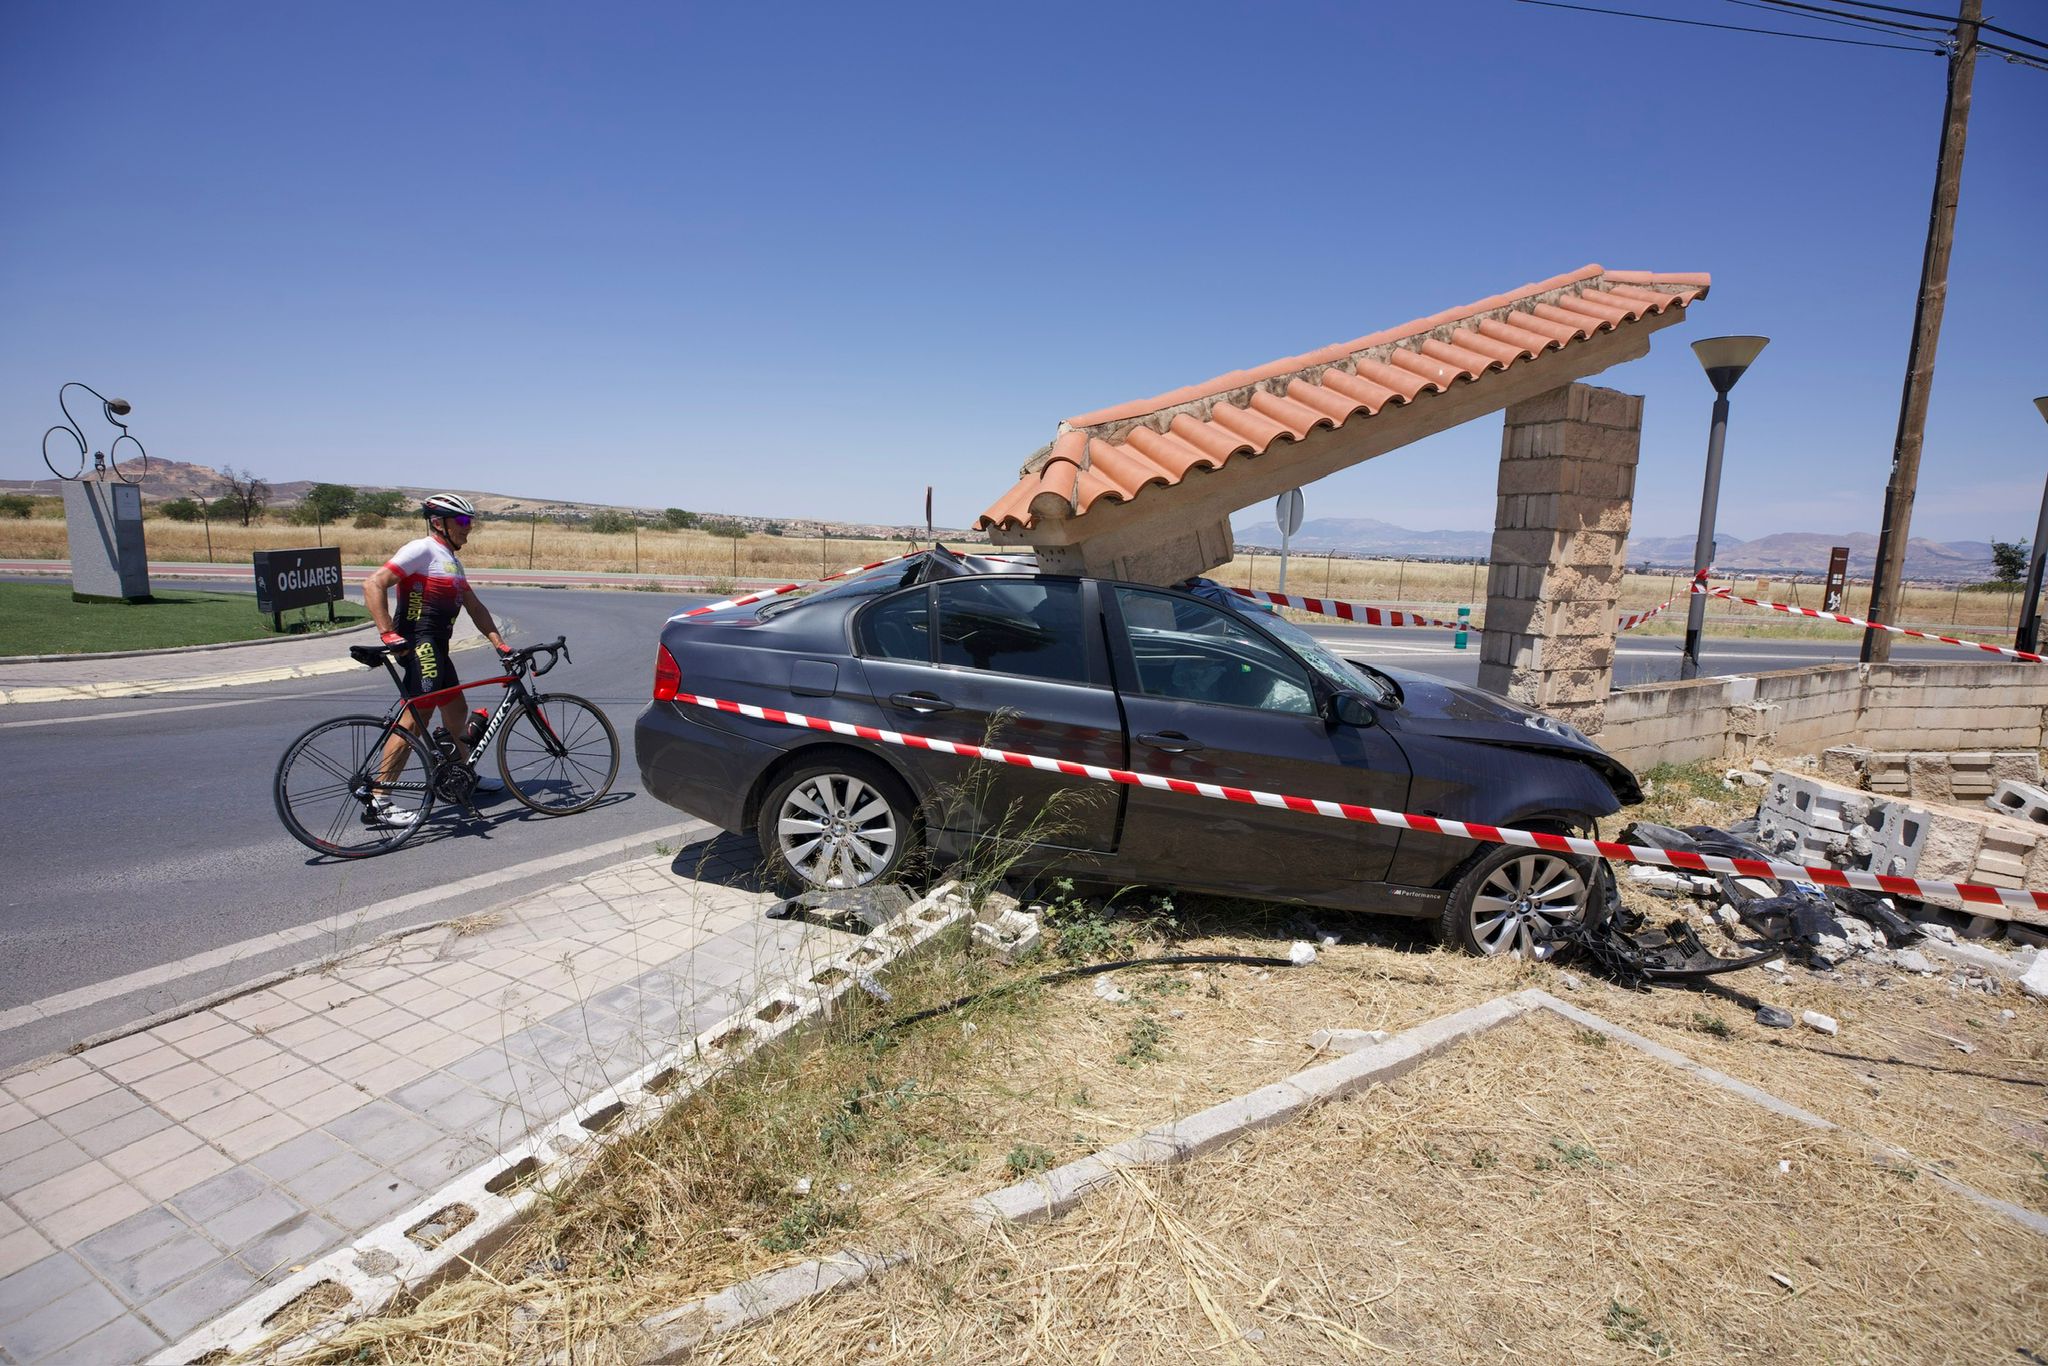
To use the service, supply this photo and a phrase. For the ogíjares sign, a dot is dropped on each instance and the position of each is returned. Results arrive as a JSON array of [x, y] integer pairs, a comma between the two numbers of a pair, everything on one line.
[[297, 578]]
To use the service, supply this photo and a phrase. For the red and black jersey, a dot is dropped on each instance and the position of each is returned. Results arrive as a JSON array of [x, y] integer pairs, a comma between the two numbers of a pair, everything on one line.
[[430, 585]]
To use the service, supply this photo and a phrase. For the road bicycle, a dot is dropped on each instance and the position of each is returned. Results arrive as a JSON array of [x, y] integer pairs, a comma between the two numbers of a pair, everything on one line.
[[558, 755]]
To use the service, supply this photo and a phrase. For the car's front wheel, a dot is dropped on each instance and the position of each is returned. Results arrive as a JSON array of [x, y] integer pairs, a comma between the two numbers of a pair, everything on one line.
[[1514, 899], [835, 823]]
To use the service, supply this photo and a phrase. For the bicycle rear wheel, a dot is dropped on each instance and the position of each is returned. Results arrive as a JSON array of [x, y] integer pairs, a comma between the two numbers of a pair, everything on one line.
[[559, 755], [328, 780]]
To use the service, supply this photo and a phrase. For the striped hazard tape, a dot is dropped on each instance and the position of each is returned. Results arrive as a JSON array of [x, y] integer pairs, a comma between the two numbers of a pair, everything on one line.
[[767, 593], [1372, 815], [1729, 595], [1363, 613]]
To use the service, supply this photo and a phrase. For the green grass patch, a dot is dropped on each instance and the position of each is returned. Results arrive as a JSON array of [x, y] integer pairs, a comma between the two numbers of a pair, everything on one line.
[[41, 619]]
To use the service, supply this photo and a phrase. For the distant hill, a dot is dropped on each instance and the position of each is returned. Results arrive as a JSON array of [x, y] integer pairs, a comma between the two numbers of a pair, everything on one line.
[[1784, 552]]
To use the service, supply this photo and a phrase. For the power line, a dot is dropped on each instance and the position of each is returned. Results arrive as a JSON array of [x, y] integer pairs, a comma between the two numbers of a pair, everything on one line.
[[1732, 28], [1831, 16], [2016, 58], [1944, 18]]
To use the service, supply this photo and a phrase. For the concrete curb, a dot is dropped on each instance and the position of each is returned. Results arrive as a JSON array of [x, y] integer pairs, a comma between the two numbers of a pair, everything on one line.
[[673, 1334], [189, 649], [472, 1214]]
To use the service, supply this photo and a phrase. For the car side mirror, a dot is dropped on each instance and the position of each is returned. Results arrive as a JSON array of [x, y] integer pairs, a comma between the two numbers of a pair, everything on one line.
[[1350, 709]]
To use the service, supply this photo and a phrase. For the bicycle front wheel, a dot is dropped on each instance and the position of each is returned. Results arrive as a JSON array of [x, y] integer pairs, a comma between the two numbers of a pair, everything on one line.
[[559, 755], [332, 793]]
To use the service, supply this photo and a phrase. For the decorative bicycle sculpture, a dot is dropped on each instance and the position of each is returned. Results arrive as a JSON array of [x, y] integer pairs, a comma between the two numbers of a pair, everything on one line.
[[363, 785], [104, 462]]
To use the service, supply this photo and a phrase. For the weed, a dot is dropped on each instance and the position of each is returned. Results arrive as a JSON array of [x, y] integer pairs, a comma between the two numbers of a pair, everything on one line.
[[1484, 1159], [1633, 1326], [1696, 780], [1142, 1044], [1591, 1038], [665, 848], [812, 1216], [1575, 1154], [1708, 1024], [1027, 1158]]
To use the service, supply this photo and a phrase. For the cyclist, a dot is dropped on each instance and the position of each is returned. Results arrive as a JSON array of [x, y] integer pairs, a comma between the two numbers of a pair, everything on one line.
[[431, 586]]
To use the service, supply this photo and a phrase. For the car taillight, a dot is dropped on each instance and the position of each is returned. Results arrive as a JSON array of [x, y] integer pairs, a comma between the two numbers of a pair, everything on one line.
[[668, 679]]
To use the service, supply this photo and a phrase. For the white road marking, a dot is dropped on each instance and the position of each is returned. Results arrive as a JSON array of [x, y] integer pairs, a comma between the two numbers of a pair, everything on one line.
[[161, 711], [342, 930]]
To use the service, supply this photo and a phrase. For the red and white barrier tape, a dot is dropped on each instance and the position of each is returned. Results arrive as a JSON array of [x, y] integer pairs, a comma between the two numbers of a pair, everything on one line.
[[1629, 623], [1371, 815], [792, 587], [1352, 611], [1729, 595]]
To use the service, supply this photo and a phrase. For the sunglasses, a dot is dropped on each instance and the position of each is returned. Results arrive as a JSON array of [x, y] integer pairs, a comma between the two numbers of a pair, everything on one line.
[[456, 518]]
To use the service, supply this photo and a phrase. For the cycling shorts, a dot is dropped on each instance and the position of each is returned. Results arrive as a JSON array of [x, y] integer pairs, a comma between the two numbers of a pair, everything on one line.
[[430, 667]]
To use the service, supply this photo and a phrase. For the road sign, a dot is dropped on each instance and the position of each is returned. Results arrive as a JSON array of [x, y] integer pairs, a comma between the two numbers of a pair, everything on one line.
[[1838, 579], [297, 578], [1287, 512], [1287, 515]]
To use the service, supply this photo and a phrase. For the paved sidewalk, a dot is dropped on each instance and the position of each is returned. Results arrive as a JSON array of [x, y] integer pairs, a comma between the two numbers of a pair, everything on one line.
[[144, 675], [150, 1184]]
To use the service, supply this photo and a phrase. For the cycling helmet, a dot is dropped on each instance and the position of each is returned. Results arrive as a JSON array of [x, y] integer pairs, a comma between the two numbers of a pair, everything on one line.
[[447, 505]]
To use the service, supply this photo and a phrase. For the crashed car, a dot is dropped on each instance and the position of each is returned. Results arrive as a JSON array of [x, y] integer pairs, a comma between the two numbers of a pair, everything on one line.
[[1190, 682]]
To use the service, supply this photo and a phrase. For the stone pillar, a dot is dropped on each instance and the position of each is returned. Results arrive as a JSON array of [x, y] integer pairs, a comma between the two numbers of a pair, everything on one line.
[[1567, 485]]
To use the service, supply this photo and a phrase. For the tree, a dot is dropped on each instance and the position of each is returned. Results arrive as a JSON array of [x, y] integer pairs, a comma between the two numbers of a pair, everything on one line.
[[182, 510], [246, 497], [675, 519], [326, 503], [2008, 562], [367, 521], [225, 508], [15, 505], [772, 529], [610, 522], [723, 526], [384, 502]]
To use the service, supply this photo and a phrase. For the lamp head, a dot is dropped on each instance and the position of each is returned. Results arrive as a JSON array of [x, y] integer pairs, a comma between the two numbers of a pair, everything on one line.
[[119, 407], [2042, 404], [1725, 358]]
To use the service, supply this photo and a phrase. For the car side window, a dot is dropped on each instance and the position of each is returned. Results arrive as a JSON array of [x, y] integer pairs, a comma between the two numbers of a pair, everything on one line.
[[1193, 652], [1024, 627], [898, 628]]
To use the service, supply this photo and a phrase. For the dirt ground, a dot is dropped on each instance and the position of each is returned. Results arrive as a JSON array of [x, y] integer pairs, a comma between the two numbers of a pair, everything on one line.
[[870, 1134]]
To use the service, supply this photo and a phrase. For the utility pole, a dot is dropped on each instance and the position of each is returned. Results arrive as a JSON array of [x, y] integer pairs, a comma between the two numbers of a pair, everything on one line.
[[1941, 231]]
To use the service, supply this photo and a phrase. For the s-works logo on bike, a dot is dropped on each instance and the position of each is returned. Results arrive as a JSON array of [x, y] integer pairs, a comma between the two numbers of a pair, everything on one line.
[[340, 792]]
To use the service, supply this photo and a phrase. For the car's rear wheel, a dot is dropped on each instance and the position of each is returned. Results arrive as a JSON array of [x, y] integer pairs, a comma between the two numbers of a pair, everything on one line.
[[1513, 901], [836, 822]]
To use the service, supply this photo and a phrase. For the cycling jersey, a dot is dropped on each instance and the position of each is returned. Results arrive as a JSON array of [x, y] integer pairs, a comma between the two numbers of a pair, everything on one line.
[[430, 586]]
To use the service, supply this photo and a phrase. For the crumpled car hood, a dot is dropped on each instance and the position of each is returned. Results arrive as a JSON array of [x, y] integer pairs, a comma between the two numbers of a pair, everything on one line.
[[1457, 712]]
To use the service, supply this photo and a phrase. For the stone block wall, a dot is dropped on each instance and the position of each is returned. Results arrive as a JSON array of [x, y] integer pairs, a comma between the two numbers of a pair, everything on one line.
[[1561, 521]]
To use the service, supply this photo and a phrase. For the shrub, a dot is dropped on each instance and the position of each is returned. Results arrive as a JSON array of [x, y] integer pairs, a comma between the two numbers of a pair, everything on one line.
[[182, 510], [726, 527], [610, 523], [369, 521], [675, 519], [16, 505]]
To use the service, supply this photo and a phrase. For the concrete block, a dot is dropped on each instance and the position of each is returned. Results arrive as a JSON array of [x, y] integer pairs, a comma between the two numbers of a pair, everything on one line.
[[1928, 776], [2018, 800], [1949, 850], [2022, 766], [1844, 764], [2002, 856]]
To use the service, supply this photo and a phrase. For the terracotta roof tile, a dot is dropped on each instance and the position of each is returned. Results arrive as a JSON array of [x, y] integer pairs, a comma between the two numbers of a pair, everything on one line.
[[1116, 452]]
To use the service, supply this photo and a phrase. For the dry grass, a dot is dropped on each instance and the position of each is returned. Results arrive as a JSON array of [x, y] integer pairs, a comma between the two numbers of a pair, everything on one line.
[[890, 1128], [1436, 588], [1538, 1195]]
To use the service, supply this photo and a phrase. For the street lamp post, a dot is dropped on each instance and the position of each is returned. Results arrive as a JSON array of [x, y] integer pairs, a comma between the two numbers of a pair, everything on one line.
[[2030, 615], [1724, 359]]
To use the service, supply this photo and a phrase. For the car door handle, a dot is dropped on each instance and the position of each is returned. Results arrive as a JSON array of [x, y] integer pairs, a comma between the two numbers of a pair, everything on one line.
[[922, 703], [1172, 741]]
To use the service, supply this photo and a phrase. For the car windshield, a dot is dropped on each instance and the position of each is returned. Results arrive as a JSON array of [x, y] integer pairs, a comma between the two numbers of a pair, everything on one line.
[[1311, 651]]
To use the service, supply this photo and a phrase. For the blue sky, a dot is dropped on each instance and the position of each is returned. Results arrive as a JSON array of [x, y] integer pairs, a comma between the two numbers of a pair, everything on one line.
[[803, 260]]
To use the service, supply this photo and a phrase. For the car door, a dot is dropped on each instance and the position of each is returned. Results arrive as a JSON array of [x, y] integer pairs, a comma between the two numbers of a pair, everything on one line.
[[1210, 698], [1011, 662]]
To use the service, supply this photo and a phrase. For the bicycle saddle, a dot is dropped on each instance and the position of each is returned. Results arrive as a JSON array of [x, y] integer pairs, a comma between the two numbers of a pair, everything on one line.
[[369, 656]]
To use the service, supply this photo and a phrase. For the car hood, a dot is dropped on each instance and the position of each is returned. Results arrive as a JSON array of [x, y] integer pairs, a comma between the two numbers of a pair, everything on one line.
[[1456, 712]]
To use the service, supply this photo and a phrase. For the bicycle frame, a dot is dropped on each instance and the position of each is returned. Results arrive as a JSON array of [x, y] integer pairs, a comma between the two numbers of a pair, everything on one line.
[[423, 706]]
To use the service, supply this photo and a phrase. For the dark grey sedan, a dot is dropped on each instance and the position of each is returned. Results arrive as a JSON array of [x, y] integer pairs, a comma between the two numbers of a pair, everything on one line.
[[1190, 682]]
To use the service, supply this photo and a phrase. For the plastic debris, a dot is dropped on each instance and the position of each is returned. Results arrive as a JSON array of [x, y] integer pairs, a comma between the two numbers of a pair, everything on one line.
[[1784, 1164], [1301, 953], [801, 1186], [1774, 1017], [873, 988], [1106, 990], [1813, 1019]]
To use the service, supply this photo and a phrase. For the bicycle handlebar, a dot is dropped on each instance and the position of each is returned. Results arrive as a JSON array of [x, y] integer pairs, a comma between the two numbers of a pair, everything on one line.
[[555, 650]]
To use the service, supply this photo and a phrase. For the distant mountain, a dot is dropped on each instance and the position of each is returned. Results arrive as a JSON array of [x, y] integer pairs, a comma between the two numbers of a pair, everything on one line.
[[1784, 552]]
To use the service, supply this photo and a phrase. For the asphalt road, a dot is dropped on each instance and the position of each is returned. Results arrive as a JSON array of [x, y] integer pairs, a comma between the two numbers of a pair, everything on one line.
[[142, 832]]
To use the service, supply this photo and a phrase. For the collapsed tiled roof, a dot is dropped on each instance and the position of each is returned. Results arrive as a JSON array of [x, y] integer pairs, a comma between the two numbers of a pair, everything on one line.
[[1116, 452]]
